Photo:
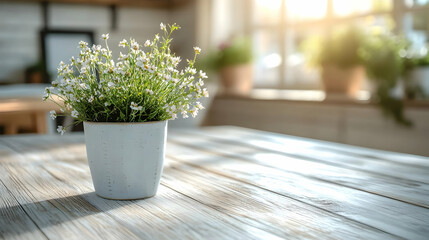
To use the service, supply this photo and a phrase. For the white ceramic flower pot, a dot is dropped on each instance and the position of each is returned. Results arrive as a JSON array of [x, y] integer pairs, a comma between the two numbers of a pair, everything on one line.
[[125, 159]]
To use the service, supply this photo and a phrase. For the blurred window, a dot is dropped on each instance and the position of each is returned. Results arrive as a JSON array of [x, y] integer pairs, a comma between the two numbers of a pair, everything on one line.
[[416, 3], [416, 27], [357, 7], [305, 10], [268, 12], [279, 27], [267, 57]]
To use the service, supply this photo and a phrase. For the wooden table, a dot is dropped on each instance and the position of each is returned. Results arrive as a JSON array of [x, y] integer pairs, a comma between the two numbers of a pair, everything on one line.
[[218, 183], [21, 107]]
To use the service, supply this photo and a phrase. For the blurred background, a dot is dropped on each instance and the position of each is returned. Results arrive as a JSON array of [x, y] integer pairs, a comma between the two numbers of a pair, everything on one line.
[[348, 71]]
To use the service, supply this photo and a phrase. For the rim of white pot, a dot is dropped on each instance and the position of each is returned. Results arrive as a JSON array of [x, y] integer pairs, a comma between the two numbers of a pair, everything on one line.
[[124, 123]]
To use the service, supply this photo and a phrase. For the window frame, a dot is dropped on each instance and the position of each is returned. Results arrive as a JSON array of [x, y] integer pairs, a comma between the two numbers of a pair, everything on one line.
[[397, 12]]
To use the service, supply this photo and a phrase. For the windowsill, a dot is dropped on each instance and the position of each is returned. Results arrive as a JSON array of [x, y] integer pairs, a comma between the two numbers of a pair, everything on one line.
[[313, 96]]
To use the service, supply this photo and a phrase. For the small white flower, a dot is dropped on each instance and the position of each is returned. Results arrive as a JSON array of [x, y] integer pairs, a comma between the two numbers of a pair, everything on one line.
[[105, 36], [199, 106], [200, 83], [123, 56], [135, 45], [162, 26], [83, 70], [175, 60], [106, 104], [152, 69], [83, 44], [166, 77], [91, 99], [149, 91], [157, 37], [147, 43], [53, 114], [61, 129], [123, 43], [184, 114], [203, 74], [194, 112], [197, 50], [192, 71], [110, 84], [205, 92], [134, 106], [74, 113], [96, 48]]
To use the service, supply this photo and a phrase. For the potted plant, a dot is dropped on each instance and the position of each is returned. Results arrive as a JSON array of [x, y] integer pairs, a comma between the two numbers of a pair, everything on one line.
[[35, 73], [337, 54], [125, 106], [384, 66], [233, 62]]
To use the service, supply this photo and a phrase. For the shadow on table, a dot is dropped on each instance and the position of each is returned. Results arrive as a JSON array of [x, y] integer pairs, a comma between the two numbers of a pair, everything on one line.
[[14, 219]]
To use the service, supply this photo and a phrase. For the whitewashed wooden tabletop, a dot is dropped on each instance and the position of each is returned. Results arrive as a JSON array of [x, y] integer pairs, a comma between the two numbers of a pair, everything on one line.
[[218, 183]]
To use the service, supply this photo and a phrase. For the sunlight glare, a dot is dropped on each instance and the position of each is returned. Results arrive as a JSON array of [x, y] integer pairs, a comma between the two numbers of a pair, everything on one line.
[[306, 9], [273, 60]]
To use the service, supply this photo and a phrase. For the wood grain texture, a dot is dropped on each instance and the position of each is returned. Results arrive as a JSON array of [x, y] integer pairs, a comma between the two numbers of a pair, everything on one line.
[[80, 213], [14, 222], [402, 219], [406, 190], [218, 184], [269, 211]]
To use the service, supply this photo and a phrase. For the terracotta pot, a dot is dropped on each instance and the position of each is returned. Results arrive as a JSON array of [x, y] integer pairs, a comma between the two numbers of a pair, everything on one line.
[[236, 80], [342, 81]]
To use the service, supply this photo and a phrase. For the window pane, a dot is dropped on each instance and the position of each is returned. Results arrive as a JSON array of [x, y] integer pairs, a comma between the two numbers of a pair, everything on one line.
[[299, 10], [266, 11], [267, 58], [299, 74], [352, 7], [416, 27], [372, 23], [415, 3]]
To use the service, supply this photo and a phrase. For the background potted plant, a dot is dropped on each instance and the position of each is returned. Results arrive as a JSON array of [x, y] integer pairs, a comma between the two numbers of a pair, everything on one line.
[[233, 62], [337, 54], [384, 66], [125, 106]]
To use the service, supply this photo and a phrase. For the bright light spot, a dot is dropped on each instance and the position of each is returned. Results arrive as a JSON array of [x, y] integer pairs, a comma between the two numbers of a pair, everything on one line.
[[295, 59], [273, 60], [348, 7], [306, 9]]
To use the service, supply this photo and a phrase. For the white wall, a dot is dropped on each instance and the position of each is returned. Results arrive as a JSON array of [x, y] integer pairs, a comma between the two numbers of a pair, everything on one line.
[[20, 24], [19, 39]]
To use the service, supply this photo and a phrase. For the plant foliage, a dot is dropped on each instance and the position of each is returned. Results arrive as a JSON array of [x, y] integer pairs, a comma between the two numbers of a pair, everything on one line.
[[143, 85]]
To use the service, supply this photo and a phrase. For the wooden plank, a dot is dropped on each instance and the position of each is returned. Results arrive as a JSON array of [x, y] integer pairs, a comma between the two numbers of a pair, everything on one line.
[[55, 210], [319, 151], [14, 222], [292, 227], [269, 211], [401, 189], [169, 215], [395, 217], [239, 132]]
